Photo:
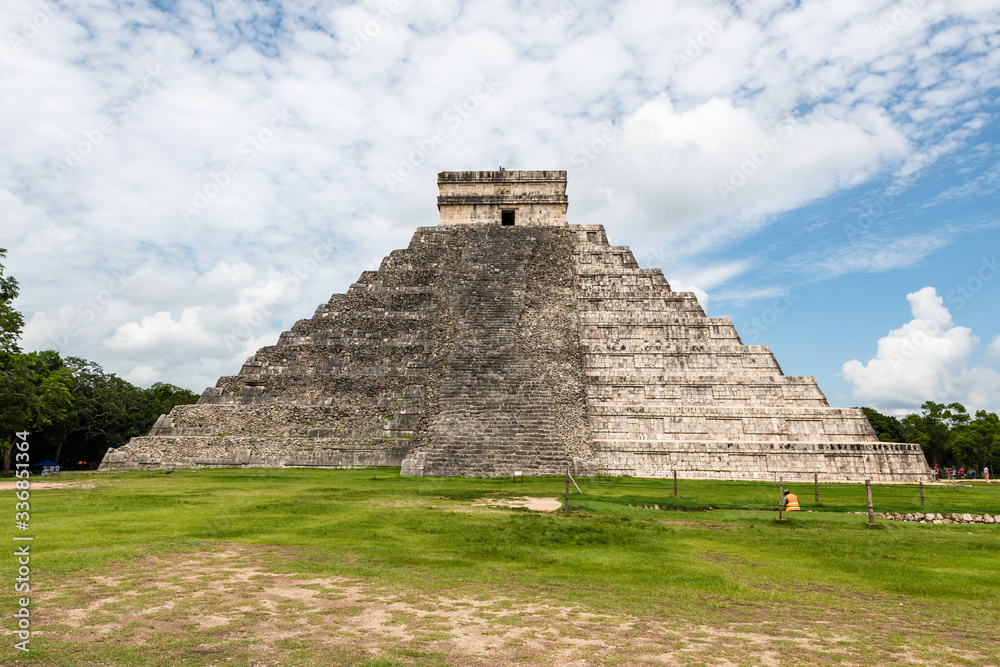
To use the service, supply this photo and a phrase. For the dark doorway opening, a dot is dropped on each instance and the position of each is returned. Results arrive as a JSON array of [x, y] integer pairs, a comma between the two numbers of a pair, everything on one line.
[[507, 218]]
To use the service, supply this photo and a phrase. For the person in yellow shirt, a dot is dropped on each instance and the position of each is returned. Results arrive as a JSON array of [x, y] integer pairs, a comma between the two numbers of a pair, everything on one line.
[[791, 502]]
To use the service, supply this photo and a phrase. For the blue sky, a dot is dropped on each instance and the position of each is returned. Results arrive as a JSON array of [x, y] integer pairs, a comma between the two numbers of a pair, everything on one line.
[[184, 179]]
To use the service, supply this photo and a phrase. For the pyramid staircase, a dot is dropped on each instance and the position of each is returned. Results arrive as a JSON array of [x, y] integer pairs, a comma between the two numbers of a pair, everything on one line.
[[486, 349]]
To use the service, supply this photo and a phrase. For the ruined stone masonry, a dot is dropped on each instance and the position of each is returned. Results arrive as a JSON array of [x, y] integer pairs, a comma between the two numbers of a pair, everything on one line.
[[505, 339]]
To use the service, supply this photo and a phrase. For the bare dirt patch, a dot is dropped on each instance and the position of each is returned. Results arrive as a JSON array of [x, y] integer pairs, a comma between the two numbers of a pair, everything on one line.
[[42, 486], [535, 504], [228, 604], [697, 524]]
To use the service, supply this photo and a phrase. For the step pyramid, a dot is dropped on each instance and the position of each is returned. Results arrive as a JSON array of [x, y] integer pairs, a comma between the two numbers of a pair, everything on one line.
[[506, 340]]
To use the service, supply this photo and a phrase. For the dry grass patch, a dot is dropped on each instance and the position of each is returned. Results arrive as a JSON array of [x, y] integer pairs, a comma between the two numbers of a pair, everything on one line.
[[534, 504], [226, 604]]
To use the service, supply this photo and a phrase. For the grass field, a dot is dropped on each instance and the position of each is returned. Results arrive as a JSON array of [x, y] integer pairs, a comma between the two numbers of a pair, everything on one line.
[[320, 567]]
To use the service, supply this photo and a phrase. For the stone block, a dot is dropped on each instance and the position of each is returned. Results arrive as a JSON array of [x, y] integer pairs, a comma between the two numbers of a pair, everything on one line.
[[482, 348]]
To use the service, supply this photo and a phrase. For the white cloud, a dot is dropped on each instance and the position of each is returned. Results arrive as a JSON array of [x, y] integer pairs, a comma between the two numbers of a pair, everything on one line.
[[993, 351], [160, 330], [143, 375], [665, 132], [700, 294], [718, 163], [925, 359], [870, 254], [698, 279], [240, 309], [19, 222]]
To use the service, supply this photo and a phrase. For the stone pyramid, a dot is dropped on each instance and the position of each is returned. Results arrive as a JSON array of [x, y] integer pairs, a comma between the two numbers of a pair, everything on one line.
[[506, 340]]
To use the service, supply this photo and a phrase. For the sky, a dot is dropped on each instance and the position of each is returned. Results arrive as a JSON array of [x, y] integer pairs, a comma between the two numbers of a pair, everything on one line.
[[184, 179]]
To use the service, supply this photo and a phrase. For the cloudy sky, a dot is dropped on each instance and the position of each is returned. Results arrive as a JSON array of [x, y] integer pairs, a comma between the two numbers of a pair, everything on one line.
[[183, 179]]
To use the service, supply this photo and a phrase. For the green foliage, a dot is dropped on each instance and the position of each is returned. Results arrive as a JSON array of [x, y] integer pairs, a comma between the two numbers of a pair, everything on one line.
[[932, 429], [11, 320], [978, 443], [947, 434], [72, 407], [399, 537], [887, 427], [109, 412], [35, 392]]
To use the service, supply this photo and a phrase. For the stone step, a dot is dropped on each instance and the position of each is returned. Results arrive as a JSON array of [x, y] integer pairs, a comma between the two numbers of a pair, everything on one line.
[[482, 349]]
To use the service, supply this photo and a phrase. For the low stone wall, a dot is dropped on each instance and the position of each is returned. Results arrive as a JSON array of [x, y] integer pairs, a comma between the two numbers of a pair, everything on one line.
[[156, 453], [764, 461], [920, 517]]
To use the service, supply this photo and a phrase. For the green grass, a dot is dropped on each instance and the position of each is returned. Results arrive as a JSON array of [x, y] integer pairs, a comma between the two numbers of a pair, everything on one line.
[[871, 594]]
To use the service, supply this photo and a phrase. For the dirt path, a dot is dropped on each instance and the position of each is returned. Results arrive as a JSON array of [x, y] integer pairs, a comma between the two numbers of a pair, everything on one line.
[[228, 608], [42, 486], [536, 504]]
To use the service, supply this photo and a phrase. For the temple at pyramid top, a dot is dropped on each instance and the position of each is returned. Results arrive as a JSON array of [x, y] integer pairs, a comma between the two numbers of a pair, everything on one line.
[[506, 341], [508, 198]]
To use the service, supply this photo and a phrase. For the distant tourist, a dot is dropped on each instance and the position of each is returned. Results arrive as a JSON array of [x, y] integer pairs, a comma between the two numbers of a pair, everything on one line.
[[986, 473], [790, 502]]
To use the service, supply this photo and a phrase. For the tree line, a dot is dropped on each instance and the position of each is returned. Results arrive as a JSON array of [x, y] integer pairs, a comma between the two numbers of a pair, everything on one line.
[[72, 408], [948, 434]]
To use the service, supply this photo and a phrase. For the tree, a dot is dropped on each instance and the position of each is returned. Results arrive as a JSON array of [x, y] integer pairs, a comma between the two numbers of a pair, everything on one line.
[[887, 428], [36, 392], [102, 403], [71, 404], [109, 412], [11, 320], [932, 429], [978, 443]]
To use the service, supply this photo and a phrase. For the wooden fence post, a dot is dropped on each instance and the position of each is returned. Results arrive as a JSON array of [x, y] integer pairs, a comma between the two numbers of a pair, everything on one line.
[[871, 512], [921, 493], [816, 486], [675, 483], [781, 499], [567, 488]]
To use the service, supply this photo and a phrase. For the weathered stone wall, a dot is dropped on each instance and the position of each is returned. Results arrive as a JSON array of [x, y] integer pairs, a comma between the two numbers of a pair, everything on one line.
[[479, 197], [348, 386], [671, 389], [511, 388], [485, 349], [160, 452], [748, 460]]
